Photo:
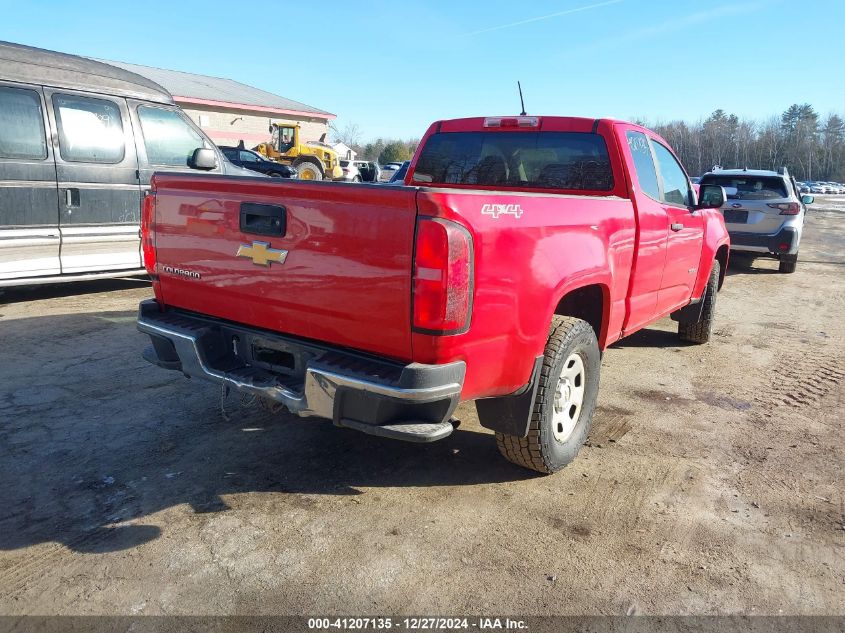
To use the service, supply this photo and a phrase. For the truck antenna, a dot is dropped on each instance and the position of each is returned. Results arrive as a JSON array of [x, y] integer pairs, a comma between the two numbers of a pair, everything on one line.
[[521, 101]]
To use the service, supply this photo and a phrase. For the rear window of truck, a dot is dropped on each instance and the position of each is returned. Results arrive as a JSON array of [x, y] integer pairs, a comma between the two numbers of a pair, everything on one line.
[[515, 160], [749, 187]]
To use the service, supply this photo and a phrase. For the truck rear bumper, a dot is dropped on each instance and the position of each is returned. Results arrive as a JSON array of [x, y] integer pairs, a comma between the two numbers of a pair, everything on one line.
[[412, 402]]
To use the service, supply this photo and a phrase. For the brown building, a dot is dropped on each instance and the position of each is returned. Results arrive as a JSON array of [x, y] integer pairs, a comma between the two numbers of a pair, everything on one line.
[[229, 111]]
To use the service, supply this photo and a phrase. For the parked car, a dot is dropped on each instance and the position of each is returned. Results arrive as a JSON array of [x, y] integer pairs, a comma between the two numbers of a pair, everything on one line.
[[498, 276], [387, 171], [370, 170], [254, 161], [77, 148], [764, 213], [349, 171], [398, 177], [359, 171], [818, 188]]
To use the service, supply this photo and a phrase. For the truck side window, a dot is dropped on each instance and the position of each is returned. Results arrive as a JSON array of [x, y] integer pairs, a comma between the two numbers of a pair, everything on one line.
[[21, 125], [168, 137], [90, 130], [676, 189], [643, 164]]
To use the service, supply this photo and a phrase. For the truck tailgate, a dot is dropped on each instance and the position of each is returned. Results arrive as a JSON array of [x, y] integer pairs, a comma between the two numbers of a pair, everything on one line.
[[346, 279]]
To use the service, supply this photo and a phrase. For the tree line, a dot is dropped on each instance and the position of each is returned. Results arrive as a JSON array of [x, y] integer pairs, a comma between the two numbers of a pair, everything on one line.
[[812, 147], [383, 150]]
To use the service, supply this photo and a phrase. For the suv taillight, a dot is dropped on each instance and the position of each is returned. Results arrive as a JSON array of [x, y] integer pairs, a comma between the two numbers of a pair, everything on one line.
[[148, 248], [787, 208], [442, 283]]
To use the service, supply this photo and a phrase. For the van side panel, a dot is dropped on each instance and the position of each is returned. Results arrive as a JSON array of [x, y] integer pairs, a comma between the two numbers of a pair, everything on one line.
[[99, 196], [29, 216]]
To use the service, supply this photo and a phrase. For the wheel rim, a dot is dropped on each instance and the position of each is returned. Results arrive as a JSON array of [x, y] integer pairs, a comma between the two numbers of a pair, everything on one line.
[[306, 174], [568, 397]]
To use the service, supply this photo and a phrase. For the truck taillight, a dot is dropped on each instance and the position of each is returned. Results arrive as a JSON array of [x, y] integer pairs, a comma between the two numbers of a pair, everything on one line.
[[787, 208], [512, 121], [443, 277], [148, 249]]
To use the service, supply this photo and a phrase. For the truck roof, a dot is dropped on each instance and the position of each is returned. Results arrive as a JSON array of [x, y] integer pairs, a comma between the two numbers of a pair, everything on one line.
[[555, 121]]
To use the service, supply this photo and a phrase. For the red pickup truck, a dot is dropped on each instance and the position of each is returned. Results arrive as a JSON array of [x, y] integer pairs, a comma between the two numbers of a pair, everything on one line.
[[516, 251]]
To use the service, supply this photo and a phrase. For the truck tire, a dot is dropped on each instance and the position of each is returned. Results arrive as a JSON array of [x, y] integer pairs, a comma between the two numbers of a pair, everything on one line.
[[308, 171], [788, 263], [565, 402], [699, 331]]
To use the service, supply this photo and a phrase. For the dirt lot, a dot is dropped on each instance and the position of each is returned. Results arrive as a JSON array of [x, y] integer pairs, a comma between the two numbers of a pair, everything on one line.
[[712, 482]]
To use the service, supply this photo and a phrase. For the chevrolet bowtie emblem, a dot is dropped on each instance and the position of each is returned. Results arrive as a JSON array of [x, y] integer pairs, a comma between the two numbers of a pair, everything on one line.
[[260, 253]]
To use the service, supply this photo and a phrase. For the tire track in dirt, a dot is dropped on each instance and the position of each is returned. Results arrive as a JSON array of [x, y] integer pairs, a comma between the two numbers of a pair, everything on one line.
[[797, 381]]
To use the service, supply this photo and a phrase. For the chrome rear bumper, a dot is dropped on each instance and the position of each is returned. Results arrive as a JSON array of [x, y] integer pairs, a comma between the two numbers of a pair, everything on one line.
[[308, 379]]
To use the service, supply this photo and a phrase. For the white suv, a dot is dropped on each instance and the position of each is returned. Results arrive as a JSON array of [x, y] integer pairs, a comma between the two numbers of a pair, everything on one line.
[[764, 212]]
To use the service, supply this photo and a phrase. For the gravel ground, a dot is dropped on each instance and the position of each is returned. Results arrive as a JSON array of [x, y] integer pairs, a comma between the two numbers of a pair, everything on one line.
[[711, 483]]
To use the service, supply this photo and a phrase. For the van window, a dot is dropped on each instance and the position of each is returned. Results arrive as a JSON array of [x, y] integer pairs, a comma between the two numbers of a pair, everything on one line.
[[168, 137], [21, 124], [90, 130]]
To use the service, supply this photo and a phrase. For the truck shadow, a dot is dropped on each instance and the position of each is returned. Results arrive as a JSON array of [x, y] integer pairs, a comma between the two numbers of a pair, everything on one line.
[[651, 337], [741, 264], [93, 438], [18, 294]]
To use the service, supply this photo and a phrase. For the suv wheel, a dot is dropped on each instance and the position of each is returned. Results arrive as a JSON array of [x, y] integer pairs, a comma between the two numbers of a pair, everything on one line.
[[788, 263]]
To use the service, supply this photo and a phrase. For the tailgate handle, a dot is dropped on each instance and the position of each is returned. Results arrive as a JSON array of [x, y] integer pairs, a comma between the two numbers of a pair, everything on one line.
[[263, 219]]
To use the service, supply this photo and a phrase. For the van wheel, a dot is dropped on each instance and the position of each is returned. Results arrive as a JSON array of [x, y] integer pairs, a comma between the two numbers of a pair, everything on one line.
[[565, 402], [699, 331], [788, 263], [309, 171]]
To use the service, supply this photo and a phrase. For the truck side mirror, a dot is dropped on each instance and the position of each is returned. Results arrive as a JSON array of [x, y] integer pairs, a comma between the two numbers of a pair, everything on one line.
[[807, 199], [711, 196], [203, 158]]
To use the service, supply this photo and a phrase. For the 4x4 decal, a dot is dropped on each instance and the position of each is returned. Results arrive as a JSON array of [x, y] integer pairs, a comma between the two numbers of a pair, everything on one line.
[[495, 210]]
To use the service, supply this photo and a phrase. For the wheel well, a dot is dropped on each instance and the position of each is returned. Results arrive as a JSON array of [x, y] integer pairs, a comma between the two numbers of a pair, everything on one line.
[[308, 159], [722, 257], [585, 303]]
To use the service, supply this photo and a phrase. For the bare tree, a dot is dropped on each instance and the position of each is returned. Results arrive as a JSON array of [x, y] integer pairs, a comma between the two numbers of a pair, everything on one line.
[[350, 134]]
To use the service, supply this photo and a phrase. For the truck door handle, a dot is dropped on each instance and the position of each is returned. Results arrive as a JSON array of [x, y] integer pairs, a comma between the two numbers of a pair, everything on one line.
[[677, 226]]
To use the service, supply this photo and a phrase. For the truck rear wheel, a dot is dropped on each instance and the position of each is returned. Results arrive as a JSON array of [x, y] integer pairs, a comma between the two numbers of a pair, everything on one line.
[[699, 331], [565, 402], [308, 171]]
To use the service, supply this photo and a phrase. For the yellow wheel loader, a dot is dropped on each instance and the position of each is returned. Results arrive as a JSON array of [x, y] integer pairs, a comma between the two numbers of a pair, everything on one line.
[[313, 160]]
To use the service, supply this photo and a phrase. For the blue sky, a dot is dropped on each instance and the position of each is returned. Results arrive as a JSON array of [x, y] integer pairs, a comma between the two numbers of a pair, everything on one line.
[[394, 66]]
